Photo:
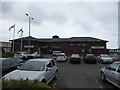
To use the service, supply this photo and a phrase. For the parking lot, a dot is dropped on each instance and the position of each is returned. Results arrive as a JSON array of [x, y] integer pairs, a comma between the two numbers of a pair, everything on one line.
[[80, 76]]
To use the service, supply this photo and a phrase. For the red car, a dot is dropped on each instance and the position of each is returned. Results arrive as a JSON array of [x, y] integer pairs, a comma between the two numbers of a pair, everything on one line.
[[90, 58], [75, 58]]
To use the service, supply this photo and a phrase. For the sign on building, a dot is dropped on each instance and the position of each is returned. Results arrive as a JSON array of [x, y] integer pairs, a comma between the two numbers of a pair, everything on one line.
[[29, 46], [97, 47]]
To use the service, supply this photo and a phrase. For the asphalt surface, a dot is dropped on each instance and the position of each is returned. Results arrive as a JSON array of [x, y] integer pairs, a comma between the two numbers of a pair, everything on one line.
[[80, 76]]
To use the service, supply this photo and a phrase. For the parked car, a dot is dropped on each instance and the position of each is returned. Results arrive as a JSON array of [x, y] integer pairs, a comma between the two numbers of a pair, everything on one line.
[[9, 64], [90, 58], [61, 57], [34, 55], [75, 58], [43, 70], [111, 73], [21, 55], [56, 53], [104, 58]]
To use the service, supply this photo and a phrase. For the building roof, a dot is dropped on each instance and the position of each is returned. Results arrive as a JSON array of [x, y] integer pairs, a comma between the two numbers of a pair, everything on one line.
[[72, 39]]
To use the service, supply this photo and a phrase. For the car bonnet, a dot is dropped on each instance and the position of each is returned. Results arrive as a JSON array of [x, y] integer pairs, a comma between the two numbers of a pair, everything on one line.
[[21, 74]]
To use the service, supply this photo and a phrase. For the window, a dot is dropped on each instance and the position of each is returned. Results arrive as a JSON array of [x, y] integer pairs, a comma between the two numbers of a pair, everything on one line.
[[118, 69], [49, 65], [53, 62], [113, 66], [33, 66]]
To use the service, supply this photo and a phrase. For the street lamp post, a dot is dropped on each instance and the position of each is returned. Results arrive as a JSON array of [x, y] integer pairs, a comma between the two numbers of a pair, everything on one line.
[[29, 31]]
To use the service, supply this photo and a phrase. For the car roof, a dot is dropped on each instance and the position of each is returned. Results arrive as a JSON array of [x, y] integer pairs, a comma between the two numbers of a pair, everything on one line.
[[117, 62], [89, 54], [39, 59]]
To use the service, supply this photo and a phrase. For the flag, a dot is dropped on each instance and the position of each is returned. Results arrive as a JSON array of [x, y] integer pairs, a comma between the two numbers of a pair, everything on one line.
[[12, 27], [21, 30]]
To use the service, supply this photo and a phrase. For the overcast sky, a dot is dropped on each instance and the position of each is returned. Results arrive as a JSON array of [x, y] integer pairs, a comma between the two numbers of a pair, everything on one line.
[[65, 19]]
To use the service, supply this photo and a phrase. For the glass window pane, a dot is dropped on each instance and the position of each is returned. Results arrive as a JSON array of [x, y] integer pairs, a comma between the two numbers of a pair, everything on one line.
[[33, 66], [114, 66]]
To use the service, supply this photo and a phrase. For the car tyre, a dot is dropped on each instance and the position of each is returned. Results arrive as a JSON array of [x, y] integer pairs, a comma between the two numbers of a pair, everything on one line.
[[23, 58], [43, 81], [103, 77]]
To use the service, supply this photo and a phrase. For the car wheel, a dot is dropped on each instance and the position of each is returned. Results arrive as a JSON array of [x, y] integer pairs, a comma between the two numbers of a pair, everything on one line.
[[43, 81], [103, 77], [23, 58], [56, 75]]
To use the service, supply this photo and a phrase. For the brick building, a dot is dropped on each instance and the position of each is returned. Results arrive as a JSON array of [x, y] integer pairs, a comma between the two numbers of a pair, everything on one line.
[[81, 45]]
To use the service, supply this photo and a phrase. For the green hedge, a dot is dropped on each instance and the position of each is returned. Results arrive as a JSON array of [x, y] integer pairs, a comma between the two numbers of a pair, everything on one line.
[[20, 84], [7, 54]]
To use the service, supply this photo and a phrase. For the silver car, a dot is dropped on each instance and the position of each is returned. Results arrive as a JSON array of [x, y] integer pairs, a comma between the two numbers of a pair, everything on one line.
[[21, 55], [111, 73], [43, 70], [104, 58]]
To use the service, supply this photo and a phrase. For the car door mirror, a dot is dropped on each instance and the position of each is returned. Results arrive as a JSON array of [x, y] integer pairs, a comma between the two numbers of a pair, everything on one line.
[[108, 67], [118, 70], [48, 69], [18, 67]]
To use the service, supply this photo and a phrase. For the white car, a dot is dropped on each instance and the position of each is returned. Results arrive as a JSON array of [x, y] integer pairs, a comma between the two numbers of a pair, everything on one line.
[[104, 58], [34, 55], [111, 73], [56, 53], [61, 57], [21, 55], [43, 70]]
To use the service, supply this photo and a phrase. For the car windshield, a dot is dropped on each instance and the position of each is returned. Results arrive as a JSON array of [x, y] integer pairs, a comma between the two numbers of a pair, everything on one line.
[[104, 56], [33, 66]]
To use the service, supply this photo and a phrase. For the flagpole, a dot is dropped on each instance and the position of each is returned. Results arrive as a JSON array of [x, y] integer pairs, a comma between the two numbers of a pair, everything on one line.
[[13, 40], [21, 41], [29, 18]]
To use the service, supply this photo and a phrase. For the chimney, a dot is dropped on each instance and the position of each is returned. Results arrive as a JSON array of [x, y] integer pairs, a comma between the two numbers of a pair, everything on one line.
[[55, 37]]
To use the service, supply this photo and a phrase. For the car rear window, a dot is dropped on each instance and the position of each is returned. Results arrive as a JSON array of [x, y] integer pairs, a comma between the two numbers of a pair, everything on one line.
[[18, 53], [25, 53], [75, 56], [90, 55], [61, 55], [21, 53]]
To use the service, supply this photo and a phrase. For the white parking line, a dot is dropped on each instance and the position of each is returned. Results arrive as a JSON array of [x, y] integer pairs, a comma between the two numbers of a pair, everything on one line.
[[96, 81], [54, 84], [100, 86]]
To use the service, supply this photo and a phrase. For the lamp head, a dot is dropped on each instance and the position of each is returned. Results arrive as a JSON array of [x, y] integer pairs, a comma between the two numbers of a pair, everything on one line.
[[26, 14]]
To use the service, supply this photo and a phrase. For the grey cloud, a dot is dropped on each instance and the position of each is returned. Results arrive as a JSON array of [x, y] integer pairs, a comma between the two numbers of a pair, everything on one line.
[[14, 11], [39, 14], [44, 14], [7, 7], [58, 17]]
